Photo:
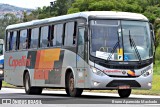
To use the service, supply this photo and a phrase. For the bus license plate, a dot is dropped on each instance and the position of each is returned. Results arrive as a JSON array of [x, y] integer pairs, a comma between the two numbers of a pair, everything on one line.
[[124, 87]]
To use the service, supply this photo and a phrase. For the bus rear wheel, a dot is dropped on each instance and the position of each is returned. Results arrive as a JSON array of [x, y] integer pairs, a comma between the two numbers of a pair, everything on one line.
[[124, 93], [28, 88], [70, 90]]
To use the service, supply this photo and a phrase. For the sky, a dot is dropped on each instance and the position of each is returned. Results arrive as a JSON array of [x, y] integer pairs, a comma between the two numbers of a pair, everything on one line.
[[33, 4]]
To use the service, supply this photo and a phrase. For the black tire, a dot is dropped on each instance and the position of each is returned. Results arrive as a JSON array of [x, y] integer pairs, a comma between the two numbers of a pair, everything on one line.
[[28, 88], [70, 90], [124, 93], [67, 91]]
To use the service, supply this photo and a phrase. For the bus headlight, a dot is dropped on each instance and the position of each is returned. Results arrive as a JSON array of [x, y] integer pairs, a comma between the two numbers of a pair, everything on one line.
[[97, 71], [148, 72], [1, 72]]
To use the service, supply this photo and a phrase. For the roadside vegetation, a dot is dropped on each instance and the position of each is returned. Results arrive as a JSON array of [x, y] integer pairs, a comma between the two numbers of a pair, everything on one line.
[[150, 8], [6, 85]]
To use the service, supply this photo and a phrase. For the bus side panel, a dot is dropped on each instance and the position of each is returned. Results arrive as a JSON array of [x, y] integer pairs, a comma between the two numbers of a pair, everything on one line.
[[48, 67], [77, 65], [15, 64], [79, 68], [69, 62], [56, 75]]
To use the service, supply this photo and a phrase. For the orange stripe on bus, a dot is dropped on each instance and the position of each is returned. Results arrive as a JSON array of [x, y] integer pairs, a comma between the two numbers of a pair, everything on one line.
[[45, 62], [38, 59]]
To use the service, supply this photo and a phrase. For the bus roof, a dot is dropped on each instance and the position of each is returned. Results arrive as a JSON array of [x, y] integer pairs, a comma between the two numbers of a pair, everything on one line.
[[104, 14]]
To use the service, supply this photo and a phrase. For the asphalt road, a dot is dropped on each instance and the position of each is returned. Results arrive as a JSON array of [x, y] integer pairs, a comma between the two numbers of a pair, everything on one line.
[[18, 96]]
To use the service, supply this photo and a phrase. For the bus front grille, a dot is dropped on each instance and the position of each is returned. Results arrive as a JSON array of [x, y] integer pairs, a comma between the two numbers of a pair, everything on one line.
[[117, 83]]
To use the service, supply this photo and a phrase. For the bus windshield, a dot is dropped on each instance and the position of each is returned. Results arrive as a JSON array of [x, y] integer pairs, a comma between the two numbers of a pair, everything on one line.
[[1, 49], [120, 40]]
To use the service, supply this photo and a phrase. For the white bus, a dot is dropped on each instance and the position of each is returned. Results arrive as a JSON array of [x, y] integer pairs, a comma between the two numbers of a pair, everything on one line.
[[1, 61], [98, 50]]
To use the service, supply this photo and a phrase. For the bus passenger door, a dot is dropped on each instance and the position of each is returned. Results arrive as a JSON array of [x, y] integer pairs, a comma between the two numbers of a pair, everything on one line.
[[80, 74]]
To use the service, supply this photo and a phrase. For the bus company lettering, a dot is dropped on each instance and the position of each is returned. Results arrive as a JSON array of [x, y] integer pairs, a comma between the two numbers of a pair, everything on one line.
[[19, 62], [112, 71]]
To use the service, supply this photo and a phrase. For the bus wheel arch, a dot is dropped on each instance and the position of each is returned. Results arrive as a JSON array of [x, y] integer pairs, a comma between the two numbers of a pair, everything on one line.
[[69, 84], [27, 84]]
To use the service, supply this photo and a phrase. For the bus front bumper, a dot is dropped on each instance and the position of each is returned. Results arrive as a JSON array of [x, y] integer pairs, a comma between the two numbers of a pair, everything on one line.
[[106, 82]]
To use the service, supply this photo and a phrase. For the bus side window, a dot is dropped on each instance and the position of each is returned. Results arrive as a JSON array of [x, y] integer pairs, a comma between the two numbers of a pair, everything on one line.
[[14, 40], [23, 42], [69, 34], [44, 36], [34, 38], [50, 36], [58, 32], [81, 42], [8, 41]]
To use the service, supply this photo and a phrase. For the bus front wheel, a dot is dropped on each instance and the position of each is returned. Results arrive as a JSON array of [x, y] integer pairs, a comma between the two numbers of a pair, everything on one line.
[[124, 93], [70, 90], [28, 88]]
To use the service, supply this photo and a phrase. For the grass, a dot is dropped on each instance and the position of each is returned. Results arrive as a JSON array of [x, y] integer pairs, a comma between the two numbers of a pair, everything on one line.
[[4, 84], [155, 87], [157, 68]]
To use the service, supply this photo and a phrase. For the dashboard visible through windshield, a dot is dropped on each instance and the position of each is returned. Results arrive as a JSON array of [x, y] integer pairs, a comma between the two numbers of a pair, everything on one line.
[[120, 40]]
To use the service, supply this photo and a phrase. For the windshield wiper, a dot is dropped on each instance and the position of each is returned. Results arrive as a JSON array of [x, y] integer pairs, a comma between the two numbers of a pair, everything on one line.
[[114, 48], [132, 44]]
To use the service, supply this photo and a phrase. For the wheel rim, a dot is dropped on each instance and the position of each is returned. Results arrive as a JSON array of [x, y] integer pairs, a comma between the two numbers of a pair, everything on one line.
[[71, 84]]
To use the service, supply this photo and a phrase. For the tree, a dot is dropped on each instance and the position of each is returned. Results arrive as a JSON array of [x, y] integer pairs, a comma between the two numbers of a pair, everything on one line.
[[25, 17], [58, 7], [157, 32], [150, 8], [6, 20], [61, 6]]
